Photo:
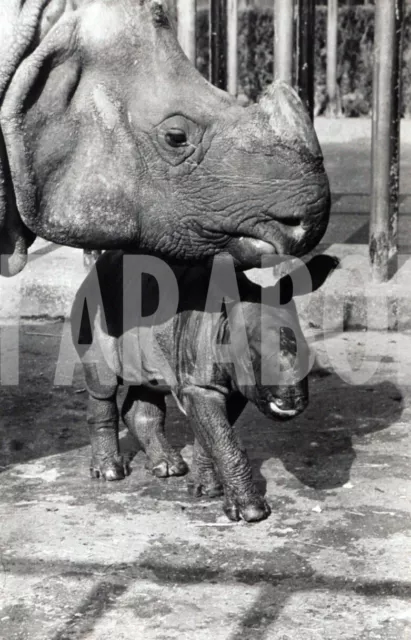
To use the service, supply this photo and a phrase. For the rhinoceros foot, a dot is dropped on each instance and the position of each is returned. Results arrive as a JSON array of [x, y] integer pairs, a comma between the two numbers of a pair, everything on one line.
[[170, 464], [111, 469], [252, 510]]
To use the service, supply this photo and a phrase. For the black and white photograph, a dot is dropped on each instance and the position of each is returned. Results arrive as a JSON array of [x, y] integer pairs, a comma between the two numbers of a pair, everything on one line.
[[205, 319]]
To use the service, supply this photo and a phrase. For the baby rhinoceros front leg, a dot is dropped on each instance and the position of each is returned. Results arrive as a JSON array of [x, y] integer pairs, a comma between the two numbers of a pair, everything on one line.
[[203, 479], [207, 411], [144, 413]]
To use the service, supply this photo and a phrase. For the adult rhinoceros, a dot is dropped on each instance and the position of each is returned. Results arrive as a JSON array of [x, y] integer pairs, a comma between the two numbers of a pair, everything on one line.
[[110, 138]]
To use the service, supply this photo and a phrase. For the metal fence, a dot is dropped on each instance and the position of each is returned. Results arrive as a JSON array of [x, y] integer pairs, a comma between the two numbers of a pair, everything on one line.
[[386, 87]]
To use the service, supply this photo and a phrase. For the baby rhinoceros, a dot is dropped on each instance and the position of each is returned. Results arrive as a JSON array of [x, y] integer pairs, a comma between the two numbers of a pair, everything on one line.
[[212, 357]]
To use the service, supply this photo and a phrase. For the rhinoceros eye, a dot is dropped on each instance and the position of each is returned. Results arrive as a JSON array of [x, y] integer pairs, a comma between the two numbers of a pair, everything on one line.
[[176, 138]]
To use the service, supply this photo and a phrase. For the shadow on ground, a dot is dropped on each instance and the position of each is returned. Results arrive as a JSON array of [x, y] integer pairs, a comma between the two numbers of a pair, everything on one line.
[[40, 419], [316, 448], [280, 575]]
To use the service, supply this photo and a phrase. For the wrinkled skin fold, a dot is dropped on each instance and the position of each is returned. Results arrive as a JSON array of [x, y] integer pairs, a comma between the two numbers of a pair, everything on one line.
[[110, 138], [212, 391]]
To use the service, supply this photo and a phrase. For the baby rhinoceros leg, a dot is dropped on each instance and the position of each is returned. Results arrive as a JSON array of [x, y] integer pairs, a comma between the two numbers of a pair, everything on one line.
[[209, 418], [102, 419], [144, 413], [203, 479]]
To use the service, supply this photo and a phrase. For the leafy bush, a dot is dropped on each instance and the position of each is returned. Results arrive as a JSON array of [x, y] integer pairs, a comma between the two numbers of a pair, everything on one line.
[[355, 56]]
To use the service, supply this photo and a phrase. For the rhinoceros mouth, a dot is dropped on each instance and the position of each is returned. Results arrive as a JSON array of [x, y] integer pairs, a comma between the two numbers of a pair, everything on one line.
[[284, 414], [257, 246], [248, 251]]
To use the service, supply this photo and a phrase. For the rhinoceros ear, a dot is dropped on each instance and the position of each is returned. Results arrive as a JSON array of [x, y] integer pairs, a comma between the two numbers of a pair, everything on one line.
[[22, 27], [15, 238]]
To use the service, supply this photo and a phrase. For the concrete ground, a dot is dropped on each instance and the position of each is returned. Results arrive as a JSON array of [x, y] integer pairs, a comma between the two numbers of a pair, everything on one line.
[[140, 559]]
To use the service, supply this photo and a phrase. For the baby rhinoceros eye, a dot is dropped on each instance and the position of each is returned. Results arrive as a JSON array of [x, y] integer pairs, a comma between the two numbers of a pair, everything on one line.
[[176, 138]]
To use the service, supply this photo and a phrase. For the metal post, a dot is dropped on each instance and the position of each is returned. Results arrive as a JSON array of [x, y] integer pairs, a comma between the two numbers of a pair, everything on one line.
[[186, 16], [332, 34], [232, 38], [218, 49], [385, 138], [306, 41], [283, 40]]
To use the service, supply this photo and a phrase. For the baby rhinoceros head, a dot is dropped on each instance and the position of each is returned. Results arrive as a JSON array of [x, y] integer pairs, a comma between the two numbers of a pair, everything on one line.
[[278, 355], [282, 388]]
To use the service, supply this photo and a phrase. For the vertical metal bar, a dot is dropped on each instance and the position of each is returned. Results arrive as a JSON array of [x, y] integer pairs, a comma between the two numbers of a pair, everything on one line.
[[283, 40], [332, 42], [218, 48], [306, 42], [186, 16], [232, 38], [385, 138]]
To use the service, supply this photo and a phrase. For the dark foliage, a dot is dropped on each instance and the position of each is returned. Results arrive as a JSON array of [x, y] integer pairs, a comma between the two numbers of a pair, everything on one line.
[[355, 56]]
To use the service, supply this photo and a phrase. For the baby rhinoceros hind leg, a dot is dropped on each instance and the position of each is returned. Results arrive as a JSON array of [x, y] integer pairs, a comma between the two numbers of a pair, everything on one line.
[[203, 478], [144, 413]]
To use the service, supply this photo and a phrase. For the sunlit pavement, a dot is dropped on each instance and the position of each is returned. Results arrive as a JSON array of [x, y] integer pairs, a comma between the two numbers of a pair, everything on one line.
[[81, 559]]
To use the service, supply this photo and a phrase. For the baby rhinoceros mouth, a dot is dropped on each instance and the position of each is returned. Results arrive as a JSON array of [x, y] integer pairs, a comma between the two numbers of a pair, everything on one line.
[[286, 409]]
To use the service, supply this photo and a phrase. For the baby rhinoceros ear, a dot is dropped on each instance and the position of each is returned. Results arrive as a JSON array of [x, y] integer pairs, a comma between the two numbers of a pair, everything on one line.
[[297, 283]]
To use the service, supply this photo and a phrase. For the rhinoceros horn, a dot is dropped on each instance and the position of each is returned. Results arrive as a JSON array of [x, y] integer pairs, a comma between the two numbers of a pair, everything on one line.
[[288, 117]]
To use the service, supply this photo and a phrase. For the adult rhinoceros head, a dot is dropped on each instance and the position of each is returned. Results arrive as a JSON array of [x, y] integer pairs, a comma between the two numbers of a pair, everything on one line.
[[110, 138]]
